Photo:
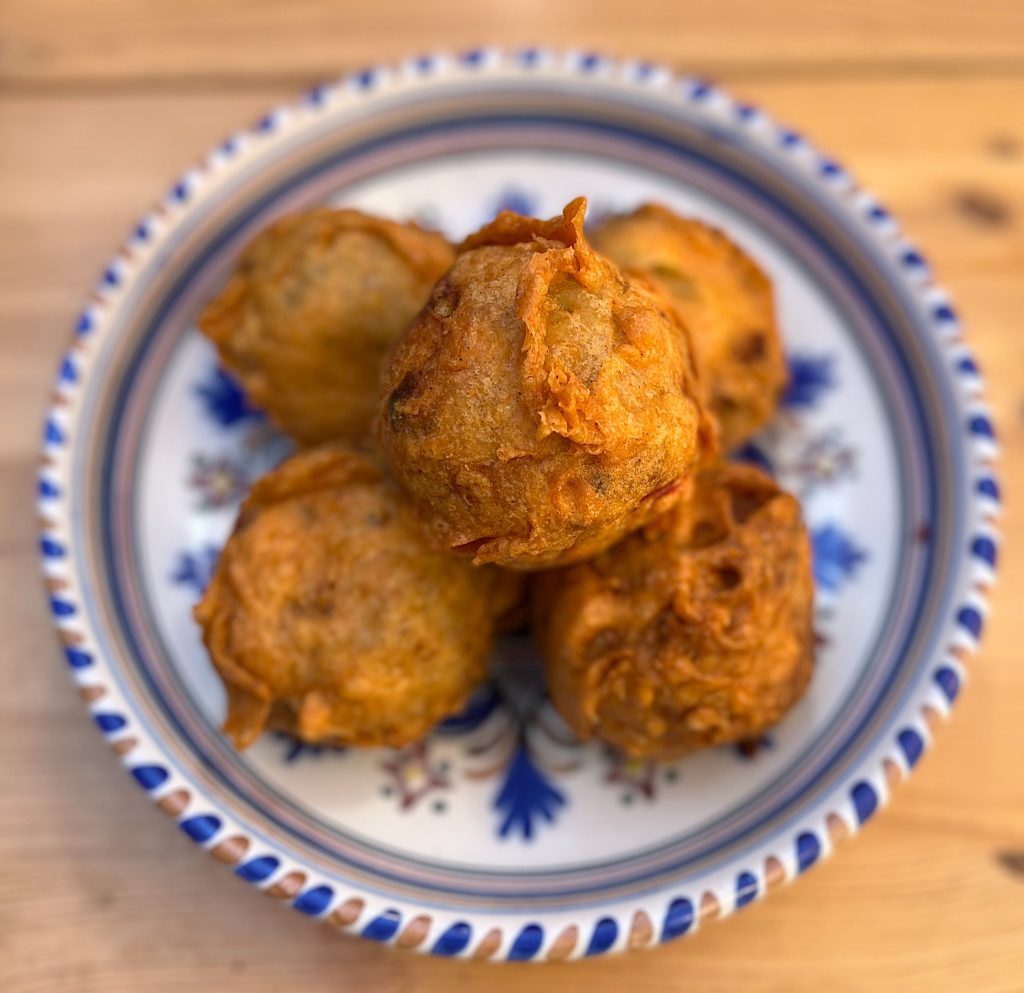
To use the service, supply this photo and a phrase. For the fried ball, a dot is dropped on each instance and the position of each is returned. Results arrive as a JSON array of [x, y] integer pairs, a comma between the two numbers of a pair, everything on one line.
[[724, 299], [315, 303], [695, 631], [329, 617], [541, 405]]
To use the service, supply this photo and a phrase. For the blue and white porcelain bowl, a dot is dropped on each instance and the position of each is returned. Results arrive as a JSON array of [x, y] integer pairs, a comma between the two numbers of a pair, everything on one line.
[[500, 836]]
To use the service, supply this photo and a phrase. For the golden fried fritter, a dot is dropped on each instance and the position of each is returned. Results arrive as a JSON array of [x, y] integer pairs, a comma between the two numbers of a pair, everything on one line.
[[329, 617], [315, 303], [541, 405], [724, 299], [692, 632]]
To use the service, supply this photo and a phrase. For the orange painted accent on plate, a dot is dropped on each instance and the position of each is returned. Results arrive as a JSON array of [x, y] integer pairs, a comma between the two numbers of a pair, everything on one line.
[[414, 932], [91, 693], [837, 828], [564, 944], [774, 871], [174, 803], [287, 886], [642, 932], [892, 772], [124, 745], [489, 945], [348, 913], [931, 717], [231, 850], [710, 908]]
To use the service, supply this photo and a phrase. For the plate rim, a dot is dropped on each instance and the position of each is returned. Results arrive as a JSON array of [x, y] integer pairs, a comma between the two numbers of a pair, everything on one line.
[[204, 821]]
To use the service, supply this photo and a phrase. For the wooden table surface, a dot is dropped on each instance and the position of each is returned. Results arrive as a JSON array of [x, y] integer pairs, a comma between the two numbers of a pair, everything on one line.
[[102, 102]]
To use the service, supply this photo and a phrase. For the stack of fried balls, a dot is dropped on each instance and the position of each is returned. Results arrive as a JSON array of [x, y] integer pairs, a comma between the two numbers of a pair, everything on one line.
[[532, 424]]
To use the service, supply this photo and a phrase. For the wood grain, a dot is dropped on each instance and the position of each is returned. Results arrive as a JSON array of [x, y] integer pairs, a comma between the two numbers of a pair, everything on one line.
[[97, 891], [107, 40]]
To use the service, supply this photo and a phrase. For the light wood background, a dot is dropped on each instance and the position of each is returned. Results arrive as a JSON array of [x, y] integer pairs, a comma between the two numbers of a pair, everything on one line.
[[102, 102]]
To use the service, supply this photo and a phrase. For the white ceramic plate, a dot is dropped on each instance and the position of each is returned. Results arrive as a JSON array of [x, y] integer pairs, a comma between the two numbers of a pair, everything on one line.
[[500, 836]]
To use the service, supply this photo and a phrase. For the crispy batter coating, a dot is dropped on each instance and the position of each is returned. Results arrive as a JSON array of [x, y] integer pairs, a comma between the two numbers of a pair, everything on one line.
[[724, 299], [692, 632], [315, 303], [329, 617], [541, 405]]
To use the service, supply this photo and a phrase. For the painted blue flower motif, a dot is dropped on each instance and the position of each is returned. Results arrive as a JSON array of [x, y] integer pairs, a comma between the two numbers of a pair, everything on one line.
[[836, 557], [517, 200], [810, 376], [525, 795], [195, 569], [224, 400]]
